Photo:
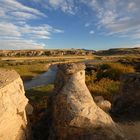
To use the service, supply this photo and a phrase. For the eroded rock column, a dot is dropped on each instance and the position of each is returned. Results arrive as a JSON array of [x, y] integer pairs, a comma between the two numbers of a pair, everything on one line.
[[75, 116], [13, 122]]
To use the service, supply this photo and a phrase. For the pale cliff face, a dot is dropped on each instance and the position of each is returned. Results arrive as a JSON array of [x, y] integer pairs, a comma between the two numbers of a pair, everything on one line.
[[12, 106]]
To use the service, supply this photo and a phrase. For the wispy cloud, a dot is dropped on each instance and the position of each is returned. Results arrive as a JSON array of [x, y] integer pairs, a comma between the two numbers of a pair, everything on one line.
[[65, 5], [15, 29], [9, 29], [13, 8], [87, 24], [37, 32], [20, 44], [116, 16], [23, 15], [91, 32], [108, 17]]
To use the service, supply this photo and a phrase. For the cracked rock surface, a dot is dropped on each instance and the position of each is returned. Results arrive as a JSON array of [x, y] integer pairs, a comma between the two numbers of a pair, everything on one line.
[[13, 121]]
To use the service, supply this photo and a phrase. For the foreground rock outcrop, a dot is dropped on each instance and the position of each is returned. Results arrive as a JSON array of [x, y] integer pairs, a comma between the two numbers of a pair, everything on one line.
[[128, 101], [75, 116], [13, 121]]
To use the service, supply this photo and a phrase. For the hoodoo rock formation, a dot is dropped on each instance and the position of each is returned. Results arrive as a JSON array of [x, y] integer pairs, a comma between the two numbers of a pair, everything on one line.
[[128, 101], [13, 102], [75, 116]]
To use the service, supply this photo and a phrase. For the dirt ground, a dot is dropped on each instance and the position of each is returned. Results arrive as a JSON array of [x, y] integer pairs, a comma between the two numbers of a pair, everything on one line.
[[131, 130]]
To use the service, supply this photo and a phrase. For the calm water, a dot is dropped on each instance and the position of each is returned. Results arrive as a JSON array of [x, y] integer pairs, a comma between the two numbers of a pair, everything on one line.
[[42, 79]]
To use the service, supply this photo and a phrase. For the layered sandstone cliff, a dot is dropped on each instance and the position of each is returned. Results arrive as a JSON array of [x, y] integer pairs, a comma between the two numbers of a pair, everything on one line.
[[13, 121], [75, 116]]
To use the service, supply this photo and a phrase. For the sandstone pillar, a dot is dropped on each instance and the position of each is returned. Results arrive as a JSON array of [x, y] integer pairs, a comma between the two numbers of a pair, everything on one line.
[[75, 116]]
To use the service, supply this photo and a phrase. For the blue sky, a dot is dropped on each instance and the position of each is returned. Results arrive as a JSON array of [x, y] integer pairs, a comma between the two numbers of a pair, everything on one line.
[[90, 24]]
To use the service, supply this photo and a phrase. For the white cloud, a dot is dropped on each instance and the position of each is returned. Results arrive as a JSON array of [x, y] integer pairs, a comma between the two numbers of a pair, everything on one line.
[[132, 6], [26, 31], [9, 29], [117, 17], [36, 32], [91, 32], [87, 24], [19, 44], [58, 31], [39, 32], [23, 15], [14, 27], [13, 7], [67, 6], [2, 13]]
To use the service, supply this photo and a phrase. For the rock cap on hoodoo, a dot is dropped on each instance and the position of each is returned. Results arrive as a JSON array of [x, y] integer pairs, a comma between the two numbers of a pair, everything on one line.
[[70, 68], [7, 76]]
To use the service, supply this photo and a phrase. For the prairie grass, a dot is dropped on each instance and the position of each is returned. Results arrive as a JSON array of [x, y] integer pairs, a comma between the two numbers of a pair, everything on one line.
[[27, 72], [38, 98], [113, 70], [105, 87], [37, 93], [105, 80]]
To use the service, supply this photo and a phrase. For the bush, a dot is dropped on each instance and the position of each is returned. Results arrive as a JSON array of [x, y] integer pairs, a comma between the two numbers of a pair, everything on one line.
[[113, 70], [36, 94], [105, 81], [90, 79], [105, 87], [27, 72], [38, 98]]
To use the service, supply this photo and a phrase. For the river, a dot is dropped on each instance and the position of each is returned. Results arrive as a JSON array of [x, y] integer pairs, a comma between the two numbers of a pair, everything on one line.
[[42, 79]]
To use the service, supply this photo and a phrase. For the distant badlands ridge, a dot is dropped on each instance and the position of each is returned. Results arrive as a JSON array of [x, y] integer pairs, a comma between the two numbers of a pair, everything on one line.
[[61, 52], [45, 52]]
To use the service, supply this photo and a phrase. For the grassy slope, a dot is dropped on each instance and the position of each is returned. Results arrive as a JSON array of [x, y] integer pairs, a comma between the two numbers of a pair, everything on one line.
[[27, 72]]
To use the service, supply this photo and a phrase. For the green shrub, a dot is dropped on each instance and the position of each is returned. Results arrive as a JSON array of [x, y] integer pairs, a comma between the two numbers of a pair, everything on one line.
[[36, 94], [27, 72], [105, 81], [38, 98], [113, 70], [105, 87], [90, 78]]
